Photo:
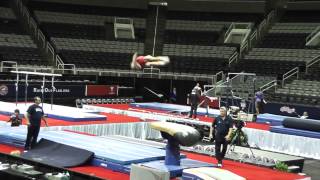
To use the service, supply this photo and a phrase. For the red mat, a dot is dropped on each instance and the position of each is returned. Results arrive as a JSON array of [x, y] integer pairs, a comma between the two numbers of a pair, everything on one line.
[[248, 171]]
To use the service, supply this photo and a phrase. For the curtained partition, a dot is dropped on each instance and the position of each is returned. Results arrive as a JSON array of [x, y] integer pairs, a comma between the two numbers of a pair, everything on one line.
[[265, 140], [288, 144]]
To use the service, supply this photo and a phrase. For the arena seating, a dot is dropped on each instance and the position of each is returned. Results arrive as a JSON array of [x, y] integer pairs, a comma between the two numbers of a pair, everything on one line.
[[84, 35], [83, 9], [209, 16], [15, 44], [198, 59], [193, 40], [283, 47], [86, 39], [300, 91]]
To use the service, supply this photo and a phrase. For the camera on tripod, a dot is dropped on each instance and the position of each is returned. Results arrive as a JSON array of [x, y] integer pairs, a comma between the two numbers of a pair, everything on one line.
[[239, 124]]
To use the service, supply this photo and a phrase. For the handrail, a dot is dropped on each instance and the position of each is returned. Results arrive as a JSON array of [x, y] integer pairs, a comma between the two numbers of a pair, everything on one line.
[[312, 62], [63, 68], [215, 77], [58, 60], [261, 27], [50, 49], [243, 47], [314, 32], [228, 31], [268, 85], [271, 16], [33, 26], [292, 72], [253, 38], [42, 38], [169, 75], [151, 71], [232, 58], [35, 69], [26, 14], [8, 67]]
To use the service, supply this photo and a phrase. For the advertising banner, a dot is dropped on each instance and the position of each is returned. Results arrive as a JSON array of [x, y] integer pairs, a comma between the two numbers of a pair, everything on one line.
[[9, 90], [101, 90]]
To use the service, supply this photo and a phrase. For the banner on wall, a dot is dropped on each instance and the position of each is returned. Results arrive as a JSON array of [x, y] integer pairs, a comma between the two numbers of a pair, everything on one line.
[[9, 90], [101, 90]]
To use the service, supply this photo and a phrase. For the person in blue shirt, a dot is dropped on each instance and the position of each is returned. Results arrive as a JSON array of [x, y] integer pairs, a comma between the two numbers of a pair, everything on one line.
[[221, 130], [34, 115]]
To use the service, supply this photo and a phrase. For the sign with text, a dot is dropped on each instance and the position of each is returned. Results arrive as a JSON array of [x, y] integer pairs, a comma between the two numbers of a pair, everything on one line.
[[9, 90]]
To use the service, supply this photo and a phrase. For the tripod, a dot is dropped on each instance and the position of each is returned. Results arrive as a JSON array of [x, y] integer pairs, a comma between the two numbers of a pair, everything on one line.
[[236, 140]]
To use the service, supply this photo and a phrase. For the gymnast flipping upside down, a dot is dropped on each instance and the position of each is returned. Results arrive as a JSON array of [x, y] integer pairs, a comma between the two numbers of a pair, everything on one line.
[[140, 62]]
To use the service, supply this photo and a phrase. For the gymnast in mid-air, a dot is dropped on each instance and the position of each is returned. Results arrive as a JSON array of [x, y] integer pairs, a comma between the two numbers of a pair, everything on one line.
[[140, 62]]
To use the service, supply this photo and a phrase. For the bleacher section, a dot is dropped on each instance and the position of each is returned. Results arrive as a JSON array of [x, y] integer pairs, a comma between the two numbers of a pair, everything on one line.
[[87, 53], [210, 16], [193, 40], [198, 59], [85, 38], [88, 10], [202, 32], [15, 44], [300, 91], [245, 89], [301, 16], [283, 47], [274, 61]]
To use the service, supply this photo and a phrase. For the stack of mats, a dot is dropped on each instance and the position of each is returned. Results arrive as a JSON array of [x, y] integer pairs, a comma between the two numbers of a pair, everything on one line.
[[272, 119], [110, 153]]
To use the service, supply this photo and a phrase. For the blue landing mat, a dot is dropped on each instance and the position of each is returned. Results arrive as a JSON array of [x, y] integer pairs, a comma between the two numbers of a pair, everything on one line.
[[65, 117], [272, 119], [296, 132], [174, 107], [76, 119], [114, 151], [112, 154]]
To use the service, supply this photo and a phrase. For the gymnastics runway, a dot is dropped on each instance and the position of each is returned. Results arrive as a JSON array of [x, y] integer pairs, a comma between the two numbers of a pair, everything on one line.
[[175, 107], [108, 152], [112, 161], [65, 113]]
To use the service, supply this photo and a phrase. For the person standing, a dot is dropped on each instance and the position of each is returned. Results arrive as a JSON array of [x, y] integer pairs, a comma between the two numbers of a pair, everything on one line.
[[194, 101], [259, 102], [221, 129], [15, 119], [198, 89], [33, 116], [173, 96]]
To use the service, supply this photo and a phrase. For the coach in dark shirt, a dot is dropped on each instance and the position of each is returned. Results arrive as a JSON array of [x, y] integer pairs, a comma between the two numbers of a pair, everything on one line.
[[222, 129], [33, 116], [194, 102]]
